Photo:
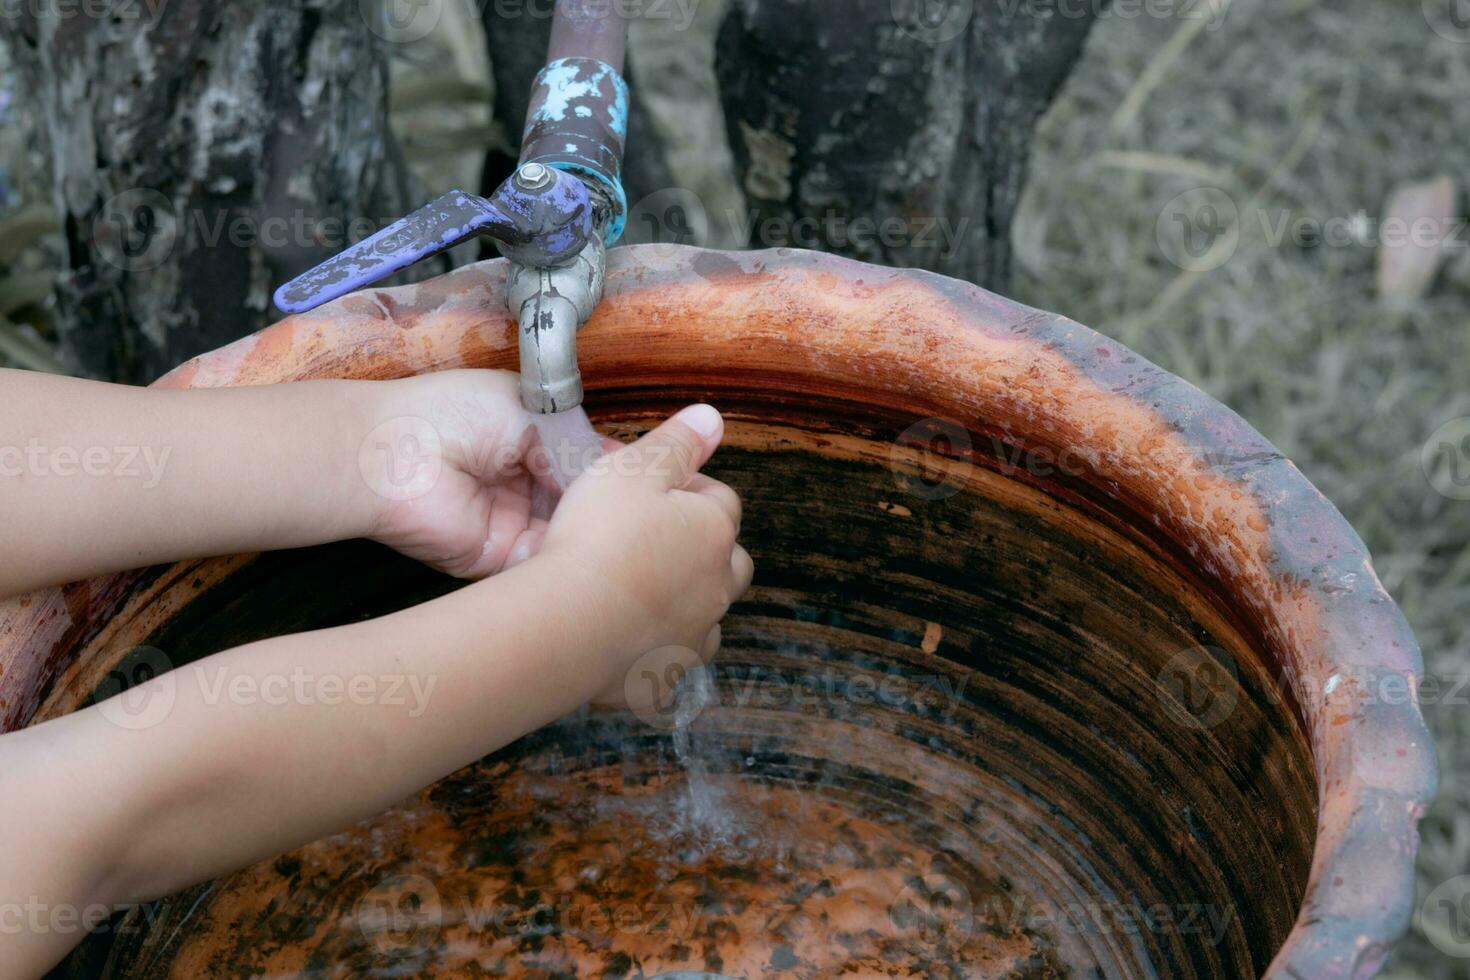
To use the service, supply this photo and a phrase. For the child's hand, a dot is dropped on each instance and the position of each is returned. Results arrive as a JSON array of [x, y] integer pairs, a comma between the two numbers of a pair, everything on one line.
[[444, 462], [657, 539]]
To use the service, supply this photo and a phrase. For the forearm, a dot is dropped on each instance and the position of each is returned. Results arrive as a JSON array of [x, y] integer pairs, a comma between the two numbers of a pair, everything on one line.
[[97, 477], [231, 778], [233, 772]]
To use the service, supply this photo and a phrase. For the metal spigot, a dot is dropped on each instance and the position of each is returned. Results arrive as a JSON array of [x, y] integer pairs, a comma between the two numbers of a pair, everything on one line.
[[552, 305], [553, 218]]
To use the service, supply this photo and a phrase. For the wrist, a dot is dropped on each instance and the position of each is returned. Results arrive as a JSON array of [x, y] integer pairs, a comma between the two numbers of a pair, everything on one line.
[[365, 446], [586, 615]]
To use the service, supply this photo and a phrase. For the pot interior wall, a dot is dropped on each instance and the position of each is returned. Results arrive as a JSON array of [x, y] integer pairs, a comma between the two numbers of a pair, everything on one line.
[[951, 737]]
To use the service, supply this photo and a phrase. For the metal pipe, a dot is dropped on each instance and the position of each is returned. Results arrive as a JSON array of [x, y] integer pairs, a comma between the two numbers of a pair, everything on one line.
[[596, 29], [577, 121]]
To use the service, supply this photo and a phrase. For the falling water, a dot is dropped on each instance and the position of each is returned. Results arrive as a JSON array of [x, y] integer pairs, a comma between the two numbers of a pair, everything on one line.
[[704, 813], [701, 815], [570, 443]]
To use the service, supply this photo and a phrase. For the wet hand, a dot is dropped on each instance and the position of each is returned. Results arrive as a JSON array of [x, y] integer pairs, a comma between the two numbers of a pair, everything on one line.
[[654, 541], [447, 464]]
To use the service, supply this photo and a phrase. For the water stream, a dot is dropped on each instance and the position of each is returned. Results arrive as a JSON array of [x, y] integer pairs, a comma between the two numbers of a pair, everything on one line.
[[702, 814], [570, 443]]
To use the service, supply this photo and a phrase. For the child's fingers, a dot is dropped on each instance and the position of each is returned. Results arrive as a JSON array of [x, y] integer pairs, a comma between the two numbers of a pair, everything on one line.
[[711, 645], [742, 570], [510, 512], [526, 546], [674, 452], [727, 499]]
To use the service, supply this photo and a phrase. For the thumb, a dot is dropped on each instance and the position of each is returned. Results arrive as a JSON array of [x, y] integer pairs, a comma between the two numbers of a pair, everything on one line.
[[674, 452]]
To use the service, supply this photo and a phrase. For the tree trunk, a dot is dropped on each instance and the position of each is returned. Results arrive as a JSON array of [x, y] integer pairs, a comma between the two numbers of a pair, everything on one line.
[[892, 131], [203, 151]]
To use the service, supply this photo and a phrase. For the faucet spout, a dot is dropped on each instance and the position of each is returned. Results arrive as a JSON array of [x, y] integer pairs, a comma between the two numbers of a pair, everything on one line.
[[550, 379], [551, 305]]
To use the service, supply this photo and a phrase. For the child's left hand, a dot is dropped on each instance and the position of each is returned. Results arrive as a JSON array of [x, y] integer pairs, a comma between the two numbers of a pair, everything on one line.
[[436, 466], [446, 458]]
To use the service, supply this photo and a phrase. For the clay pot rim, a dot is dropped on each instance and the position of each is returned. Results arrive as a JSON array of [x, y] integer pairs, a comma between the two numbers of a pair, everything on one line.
[[903, 337]]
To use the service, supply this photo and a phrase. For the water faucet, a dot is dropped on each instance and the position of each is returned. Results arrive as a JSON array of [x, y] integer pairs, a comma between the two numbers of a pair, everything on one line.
[[553, 218]]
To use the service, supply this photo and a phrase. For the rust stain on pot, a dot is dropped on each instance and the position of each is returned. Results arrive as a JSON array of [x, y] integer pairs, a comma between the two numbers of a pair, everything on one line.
[[1108, 526]]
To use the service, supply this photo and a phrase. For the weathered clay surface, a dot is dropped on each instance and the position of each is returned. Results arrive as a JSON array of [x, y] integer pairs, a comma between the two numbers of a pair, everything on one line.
[[1195, 523]]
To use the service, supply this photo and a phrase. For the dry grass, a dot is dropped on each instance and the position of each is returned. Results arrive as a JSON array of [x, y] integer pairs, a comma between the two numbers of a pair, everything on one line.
[[1317, 110]]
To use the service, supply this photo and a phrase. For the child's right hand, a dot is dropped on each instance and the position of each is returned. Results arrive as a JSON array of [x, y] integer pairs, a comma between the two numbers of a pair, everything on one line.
[[658, 539]]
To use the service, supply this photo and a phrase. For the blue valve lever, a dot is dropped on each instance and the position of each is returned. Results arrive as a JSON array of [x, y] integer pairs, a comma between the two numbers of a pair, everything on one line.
[[541, 217], [553, 218]]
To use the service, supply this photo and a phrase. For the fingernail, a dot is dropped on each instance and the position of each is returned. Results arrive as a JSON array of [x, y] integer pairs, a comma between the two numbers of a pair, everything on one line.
[[703, 419]]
